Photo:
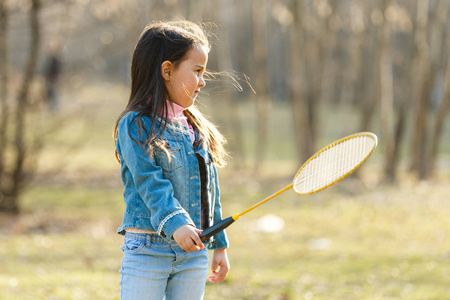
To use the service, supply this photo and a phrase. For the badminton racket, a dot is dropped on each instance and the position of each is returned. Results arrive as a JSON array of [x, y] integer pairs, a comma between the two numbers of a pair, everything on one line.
[[325, 168]]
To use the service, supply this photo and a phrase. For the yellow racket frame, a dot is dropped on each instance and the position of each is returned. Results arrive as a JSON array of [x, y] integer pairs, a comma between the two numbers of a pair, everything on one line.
[[218, 227], [237, 216]]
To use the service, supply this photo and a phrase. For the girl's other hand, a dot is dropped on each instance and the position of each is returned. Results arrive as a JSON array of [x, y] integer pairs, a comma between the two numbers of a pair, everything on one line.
[[219, 265], [187, 238]]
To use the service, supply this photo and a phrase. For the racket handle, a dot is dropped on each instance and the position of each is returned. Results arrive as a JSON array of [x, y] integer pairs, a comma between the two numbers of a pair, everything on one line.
[[216, 228]]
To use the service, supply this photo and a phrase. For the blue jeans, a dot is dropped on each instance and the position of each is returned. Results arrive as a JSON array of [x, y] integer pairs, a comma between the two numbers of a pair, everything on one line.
[[154, 269]]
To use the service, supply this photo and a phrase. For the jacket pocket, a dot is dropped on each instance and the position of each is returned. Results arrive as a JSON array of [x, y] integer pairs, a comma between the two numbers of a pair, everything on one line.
[[170, 160]]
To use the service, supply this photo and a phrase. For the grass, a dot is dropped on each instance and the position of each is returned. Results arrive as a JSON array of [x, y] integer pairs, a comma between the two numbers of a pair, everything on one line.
[[379, 248], [357, 240], [383, 243], [59, 266]]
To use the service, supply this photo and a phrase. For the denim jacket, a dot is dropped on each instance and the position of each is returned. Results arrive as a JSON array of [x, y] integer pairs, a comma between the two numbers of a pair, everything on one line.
[[161, 194]]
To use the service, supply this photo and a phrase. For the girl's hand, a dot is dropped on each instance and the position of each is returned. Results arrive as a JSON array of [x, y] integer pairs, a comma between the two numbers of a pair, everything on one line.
[[187, 238], [219, 265]]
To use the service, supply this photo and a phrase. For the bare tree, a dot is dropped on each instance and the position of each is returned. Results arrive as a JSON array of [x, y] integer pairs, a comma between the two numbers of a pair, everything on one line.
[[430, 36], [403, 82], [225, 64], [422, 104], [368, 82], [259, 19], [297, 70], [4, 107], [315, 48], [442, 110], [10, 190], [309, 43], [387, 91]]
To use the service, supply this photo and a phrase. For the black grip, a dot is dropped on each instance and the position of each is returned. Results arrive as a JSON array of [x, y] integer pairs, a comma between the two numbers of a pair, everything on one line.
[[215, 229]]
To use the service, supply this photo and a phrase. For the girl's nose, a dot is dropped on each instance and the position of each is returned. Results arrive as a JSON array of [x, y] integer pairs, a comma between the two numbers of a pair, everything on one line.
[[202, 82]]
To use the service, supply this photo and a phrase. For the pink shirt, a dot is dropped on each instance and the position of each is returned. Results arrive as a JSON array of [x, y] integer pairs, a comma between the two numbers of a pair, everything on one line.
[[176, 114]]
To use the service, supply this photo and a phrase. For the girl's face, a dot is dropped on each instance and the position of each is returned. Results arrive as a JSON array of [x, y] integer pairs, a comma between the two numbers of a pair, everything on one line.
[[184, 81]]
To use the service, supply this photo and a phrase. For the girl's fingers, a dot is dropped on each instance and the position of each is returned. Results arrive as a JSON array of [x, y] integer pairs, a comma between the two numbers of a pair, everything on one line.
[[219, 266], [219, 275], [190, 246], [187, 238], [214, 266], [197, 241]]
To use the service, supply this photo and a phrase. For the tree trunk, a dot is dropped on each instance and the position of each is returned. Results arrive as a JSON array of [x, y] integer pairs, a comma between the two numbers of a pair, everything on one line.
[[225, 63], [367, 92], [261, 85], [313, 67], [423, 72], [421, 119], [307, 52], [10, 196], [387, 94], [442, 113], [442, 110], [296, 84], [404, 83], [4, 107], [430, 45]]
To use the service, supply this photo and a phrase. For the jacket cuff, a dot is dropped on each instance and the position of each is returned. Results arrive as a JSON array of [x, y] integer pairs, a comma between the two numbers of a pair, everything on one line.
[[172, 222], [220, 241]]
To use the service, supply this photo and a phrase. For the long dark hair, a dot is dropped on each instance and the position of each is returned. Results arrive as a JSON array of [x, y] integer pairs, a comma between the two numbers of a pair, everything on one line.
[[159, 42]]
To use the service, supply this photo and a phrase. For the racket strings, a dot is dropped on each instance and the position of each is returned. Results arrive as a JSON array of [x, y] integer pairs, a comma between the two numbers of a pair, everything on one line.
[[333, 163]]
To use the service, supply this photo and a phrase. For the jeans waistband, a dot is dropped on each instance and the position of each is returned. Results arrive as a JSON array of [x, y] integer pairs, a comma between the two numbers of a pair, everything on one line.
[[147, 237], [154, 238]]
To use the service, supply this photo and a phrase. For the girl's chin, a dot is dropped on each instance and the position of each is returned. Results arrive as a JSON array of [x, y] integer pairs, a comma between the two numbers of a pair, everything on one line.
[[192, 102], [188, 105]]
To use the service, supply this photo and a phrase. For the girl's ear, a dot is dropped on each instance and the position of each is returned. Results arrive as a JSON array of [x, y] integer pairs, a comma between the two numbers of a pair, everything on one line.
[[166, 70]]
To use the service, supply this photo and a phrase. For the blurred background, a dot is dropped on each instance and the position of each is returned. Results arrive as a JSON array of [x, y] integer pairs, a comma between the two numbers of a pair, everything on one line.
[[296, 75]]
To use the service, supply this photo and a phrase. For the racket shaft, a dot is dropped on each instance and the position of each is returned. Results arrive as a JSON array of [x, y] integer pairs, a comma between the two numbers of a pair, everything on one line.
[[216, 228], [265, 200]]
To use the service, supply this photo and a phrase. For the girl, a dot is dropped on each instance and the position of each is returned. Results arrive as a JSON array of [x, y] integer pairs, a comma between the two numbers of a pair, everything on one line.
[[168, 154]]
